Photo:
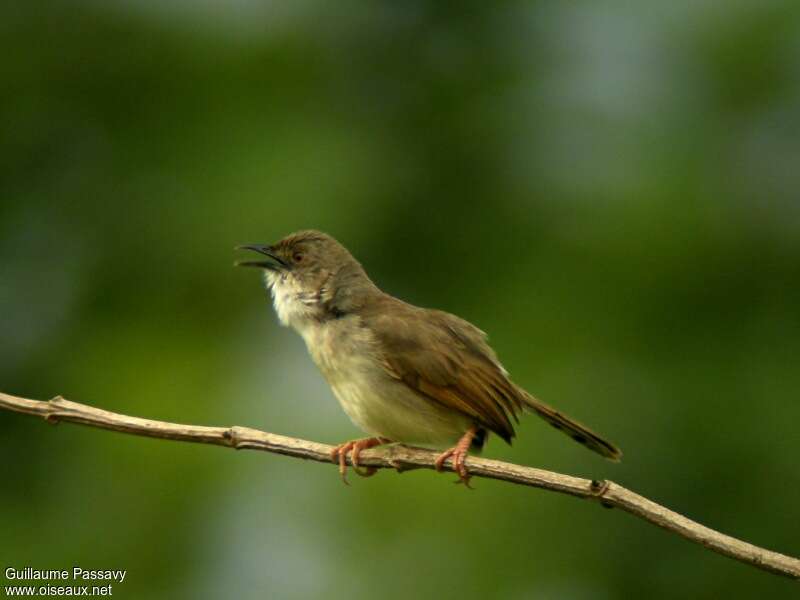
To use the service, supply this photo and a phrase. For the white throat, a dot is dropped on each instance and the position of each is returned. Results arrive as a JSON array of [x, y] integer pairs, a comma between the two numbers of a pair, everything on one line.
[[296, 308]]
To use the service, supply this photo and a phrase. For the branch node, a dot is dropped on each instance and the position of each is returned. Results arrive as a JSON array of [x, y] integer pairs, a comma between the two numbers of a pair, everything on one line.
[[395, 458], [232, 437], [597, 489], [235, 439], [52, 416]]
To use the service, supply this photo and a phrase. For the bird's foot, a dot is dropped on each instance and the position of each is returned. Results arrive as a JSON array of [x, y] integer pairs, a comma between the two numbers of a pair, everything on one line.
[[354, 447], [459, 455]]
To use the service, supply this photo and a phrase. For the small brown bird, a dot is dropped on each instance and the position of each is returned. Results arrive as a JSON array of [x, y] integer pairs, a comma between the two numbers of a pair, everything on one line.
[[401, 373]]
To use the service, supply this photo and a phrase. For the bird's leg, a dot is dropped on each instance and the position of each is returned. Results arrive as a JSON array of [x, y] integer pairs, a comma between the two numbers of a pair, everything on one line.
[[339, 454], [459, 455]]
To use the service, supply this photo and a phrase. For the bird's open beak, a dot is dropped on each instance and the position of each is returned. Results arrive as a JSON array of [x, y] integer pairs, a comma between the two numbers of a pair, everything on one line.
[[275, 264]]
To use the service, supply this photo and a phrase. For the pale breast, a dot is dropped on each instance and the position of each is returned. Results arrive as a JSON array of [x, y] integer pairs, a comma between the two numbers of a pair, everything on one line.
[[341, 348], [349, 358]]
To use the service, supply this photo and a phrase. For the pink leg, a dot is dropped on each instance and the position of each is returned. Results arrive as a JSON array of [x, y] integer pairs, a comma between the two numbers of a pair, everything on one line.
[[339, 454], [459, 455]]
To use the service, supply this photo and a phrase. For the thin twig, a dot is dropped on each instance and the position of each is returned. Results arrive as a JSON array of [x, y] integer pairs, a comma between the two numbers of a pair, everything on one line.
[[403, 458]]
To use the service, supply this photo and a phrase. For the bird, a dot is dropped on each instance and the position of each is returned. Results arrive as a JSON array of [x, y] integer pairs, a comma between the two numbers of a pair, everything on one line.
[[402, 373]]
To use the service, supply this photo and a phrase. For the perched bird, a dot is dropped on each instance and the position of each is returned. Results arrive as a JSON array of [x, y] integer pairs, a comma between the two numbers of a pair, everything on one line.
[[401, 373]]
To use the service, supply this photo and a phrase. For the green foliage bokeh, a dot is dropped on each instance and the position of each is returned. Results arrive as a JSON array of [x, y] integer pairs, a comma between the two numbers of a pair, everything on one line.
[[611, 191]]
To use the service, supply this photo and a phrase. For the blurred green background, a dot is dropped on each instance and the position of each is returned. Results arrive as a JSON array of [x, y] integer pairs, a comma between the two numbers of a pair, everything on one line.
[[611, 190]]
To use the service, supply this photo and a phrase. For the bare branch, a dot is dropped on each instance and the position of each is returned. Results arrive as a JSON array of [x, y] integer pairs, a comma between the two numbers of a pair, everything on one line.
[[403, 458]]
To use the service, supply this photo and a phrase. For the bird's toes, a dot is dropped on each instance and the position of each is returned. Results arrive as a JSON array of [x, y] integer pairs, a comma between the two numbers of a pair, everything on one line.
[[460, 467], [442, 458], [339, 454], [356, 453]]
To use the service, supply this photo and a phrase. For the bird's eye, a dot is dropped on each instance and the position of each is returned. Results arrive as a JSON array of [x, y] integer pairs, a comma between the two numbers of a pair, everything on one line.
[[298, 257]]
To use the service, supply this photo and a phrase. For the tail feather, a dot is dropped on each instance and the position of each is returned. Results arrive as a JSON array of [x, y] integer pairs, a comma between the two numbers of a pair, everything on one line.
[[579, 433]]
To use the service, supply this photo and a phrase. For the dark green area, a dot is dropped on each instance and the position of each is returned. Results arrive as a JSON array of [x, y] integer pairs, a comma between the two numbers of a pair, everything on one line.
[[611, 191]]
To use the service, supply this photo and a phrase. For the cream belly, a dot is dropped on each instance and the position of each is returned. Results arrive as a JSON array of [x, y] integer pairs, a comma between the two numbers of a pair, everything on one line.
[[377, 403], [399, 414]]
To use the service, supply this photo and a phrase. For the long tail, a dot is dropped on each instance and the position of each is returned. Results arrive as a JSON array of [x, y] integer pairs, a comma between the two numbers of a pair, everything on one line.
[[579, 433]]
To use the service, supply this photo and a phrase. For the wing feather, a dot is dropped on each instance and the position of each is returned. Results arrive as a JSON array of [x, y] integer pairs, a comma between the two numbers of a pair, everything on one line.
[[448, 360]]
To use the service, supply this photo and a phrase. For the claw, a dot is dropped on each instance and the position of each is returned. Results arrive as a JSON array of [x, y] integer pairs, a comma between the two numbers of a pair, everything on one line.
[[339, 454], [459, 456]]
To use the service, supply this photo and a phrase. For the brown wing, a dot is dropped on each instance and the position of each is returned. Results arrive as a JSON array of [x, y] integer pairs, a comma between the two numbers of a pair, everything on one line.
[[448, 360]]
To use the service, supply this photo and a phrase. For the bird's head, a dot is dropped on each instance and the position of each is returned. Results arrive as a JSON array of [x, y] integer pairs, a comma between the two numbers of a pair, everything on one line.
[[311, 276]]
